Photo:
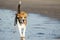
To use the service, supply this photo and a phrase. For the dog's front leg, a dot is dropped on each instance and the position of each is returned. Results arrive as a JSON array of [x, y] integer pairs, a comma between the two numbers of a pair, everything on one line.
[[24, 30], [20, 29]]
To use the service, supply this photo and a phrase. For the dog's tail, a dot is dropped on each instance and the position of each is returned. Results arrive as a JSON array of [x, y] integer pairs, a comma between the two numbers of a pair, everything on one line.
[[19, 6]]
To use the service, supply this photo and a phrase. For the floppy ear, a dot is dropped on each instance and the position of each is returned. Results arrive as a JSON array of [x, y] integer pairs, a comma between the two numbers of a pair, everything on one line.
[[15, 22]]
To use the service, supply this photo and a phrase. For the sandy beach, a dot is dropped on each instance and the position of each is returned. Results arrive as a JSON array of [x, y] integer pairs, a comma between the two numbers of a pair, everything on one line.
[[39, 27], [48, 7]]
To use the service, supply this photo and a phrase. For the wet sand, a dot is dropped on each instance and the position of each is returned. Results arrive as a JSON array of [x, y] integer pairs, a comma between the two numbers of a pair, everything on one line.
[[48, 7], [39, 27]]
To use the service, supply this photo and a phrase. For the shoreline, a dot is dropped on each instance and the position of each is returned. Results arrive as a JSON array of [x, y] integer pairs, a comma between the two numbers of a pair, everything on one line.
[[48, 7]]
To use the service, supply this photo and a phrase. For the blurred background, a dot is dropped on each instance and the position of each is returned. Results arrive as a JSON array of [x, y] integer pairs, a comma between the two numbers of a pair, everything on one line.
[[47, 7]]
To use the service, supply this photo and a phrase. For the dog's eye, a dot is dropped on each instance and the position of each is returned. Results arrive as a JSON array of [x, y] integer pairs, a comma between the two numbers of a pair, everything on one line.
[[20, 17], [24, 17], [17, 16]]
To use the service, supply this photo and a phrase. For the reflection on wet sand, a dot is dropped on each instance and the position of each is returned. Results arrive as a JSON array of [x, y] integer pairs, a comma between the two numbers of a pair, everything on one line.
[[39, 27], [22, 38]]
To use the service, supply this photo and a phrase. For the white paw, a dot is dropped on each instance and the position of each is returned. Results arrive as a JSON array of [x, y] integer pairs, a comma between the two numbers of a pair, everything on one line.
[[23, 36]]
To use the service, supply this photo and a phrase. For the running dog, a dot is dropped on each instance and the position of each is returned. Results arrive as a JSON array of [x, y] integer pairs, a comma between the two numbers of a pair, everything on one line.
[[21, 21]]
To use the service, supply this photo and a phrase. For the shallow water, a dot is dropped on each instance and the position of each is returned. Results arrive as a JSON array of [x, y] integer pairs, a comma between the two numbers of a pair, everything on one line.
[[39, 27]]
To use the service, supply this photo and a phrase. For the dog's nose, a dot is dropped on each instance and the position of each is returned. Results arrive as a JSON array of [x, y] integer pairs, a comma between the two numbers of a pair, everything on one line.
[[23, 20]]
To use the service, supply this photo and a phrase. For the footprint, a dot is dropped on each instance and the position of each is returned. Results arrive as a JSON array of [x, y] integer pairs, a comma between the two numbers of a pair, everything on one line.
[[0, 18], [40, 33]]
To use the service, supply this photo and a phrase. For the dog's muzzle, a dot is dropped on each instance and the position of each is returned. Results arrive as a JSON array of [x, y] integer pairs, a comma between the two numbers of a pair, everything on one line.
[[21, 21]]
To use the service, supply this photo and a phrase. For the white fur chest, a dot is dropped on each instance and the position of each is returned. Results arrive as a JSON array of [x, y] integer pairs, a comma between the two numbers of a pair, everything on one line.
[[20, 26]]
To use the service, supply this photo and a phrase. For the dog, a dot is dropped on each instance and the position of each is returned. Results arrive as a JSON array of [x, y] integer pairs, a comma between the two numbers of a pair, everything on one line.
[[21, 21]]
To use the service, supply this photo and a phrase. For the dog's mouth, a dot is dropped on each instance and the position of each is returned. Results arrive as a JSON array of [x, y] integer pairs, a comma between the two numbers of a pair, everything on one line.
[[21, 21]]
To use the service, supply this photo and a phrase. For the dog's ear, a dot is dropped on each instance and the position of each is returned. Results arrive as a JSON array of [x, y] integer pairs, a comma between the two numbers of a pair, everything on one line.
[[15, 22]]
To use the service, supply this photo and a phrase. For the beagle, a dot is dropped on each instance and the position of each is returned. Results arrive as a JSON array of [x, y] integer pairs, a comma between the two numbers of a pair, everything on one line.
[[21, 21]]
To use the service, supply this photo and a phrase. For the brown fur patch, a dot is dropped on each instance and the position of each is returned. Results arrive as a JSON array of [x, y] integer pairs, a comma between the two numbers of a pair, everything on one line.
[[21, 15]]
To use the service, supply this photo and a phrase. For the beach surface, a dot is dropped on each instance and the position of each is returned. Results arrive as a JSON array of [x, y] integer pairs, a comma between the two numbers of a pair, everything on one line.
[[39, 27]]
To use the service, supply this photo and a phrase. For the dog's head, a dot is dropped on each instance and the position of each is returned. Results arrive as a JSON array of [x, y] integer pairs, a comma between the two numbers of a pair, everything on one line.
[[22, 16]]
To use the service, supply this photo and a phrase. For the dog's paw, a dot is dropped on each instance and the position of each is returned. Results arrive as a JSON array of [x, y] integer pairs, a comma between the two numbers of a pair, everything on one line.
[[23, 36]]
